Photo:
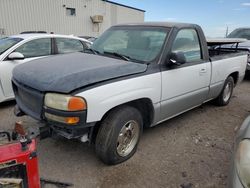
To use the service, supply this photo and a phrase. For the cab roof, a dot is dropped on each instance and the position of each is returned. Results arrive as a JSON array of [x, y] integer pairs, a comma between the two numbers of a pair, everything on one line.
[[161, 24]]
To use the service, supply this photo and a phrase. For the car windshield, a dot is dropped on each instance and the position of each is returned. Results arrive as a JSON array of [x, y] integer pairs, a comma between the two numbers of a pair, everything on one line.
[[240, 33], [8, 42], [135, 43]]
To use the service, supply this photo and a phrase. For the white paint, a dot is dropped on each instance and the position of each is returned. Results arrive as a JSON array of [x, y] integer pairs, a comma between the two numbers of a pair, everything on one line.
[[102, 99], [223, 68]]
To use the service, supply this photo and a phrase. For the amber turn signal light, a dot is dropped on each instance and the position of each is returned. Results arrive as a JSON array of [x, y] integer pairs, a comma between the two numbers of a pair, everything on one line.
[[76, 104], [72, 120]]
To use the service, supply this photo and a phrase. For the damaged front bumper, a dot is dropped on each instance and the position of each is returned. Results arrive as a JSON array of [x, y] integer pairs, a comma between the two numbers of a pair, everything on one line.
[[48, 128]]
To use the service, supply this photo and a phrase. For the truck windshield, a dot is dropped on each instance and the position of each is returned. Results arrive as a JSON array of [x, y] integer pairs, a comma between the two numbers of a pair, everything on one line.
[[8, 42], [135, 43], [240, 33]]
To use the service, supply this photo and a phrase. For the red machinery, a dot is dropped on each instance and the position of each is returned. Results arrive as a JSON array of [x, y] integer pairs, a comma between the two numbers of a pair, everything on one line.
[[19, 163]]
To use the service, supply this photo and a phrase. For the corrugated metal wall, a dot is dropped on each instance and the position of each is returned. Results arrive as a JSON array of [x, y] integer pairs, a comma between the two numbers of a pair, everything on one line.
[[50, 15]]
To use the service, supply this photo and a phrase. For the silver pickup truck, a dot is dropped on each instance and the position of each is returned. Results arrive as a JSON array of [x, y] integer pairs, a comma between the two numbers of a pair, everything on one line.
[[133, 76]]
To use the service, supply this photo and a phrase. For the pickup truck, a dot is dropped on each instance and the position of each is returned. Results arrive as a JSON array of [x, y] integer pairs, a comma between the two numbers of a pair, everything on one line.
[[134, 76]]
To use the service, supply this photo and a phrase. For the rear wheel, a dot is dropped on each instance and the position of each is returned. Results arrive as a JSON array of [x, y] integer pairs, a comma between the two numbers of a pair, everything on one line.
[[226, 93], [119, 135]]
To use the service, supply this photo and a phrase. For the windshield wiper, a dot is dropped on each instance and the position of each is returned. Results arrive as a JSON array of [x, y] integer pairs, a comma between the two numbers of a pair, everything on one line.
[[92, 50], [124, 57]]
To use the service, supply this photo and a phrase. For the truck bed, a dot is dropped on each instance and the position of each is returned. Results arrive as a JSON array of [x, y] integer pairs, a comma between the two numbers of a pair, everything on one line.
[[220, 53], [217, 51]]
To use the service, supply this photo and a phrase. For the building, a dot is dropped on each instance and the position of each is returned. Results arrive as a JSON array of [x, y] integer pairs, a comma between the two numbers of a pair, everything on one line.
[[77, 17]]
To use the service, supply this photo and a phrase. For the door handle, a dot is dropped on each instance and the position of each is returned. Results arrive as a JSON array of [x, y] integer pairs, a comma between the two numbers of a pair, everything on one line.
[[203, 70]]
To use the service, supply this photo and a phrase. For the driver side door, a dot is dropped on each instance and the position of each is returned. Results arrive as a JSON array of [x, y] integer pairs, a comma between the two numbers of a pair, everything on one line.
[[187, 85], [31, 50]]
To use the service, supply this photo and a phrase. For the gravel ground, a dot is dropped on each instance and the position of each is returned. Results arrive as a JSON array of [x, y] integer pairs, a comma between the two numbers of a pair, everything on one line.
[[191, 150]]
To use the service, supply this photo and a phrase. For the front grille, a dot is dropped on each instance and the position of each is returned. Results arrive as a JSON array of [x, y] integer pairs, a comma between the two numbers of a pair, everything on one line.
[[29, 100]]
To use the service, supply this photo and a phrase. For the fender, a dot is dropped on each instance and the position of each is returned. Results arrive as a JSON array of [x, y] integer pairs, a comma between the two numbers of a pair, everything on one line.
[[103, 98], [235, 64]]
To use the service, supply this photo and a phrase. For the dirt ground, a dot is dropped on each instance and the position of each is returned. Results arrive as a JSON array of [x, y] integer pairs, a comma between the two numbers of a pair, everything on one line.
[[191, 150]]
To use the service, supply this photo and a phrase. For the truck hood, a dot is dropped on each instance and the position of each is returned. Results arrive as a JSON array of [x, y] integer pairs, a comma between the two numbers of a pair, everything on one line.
[[65, 73]]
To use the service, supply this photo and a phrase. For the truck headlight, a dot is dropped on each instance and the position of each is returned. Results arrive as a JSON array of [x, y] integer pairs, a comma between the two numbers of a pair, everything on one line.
[[243, 162], [64, 102]]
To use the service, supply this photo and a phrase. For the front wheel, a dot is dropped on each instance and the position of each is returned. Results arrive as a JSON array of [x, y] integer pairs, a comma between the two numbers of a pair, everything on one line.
[[226, 93], [119, 135]]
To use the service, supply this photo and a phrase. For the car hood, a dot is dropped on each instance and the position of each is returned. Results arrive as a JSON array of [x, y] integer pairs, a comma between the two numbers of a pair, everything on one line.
[[65, 73]]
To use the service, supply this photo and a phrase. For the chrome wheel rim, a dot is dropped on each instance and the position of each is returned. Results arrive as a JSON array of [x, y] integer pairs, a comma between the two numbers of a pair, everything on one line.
[[227, 92], [128, 138]]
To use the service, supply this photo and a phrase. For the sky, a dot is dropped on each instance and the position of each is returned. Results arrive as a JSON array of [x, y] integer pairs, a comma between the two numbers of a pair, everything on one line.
[[214, 16]]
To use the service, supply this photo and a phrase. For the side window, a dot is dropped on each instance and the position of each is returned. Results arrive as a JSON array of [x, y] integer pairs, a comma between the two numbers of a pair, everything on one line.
[[36, 48], [187, 41], [65, 45]]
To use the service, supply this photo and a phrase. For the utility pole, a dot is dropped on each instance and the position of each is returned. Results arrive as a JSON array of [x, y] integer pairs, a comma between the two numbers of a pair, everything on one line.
[[226, 32]]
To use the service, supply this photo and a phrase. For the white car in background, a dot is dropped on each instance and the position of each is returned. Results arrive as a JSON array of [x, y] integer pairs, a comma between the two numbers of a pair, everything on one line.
[[22, 48]]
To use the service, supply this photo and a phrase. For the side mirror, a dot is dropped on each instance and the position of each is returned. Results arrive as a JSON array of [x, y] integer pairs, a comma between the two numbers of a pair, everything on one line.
[[16, 56], [177, 58]]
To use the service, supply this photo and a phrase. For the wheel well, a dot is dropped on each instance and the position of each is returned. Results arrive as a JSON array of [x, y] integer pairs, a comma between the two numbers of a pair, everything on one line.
[[145, 107], [235, 76]]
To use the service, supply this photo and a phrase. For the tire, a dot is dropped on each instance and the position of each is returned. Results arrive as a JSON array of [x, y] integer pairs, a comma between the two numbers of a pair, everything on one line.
[[122, 127], [226, 93], [247, 75]]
